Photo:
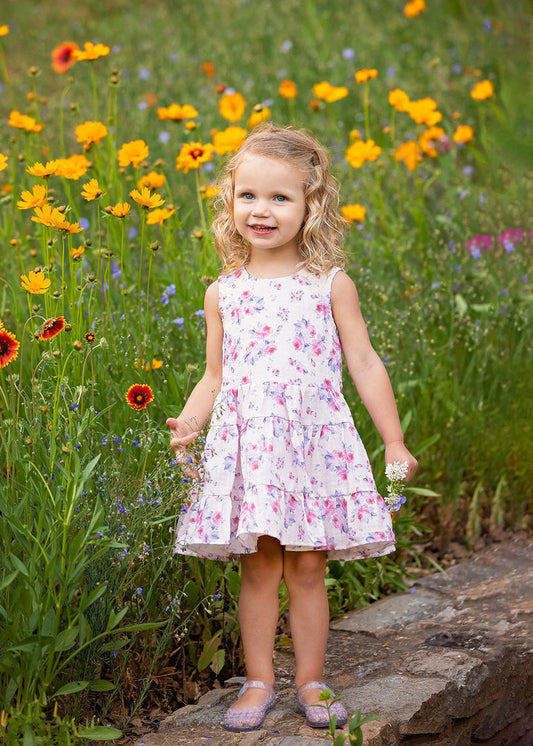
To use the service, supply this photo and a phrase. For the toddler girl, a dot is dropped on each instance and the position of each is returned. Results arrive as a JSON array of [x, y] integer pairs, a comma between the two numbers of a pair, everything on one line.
[[285, 480]]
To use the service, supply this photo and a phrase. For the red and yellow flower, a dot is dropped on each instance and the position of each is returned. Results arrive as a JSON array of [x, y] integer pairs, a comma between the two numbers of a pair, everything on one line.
[[192, 155], [139, 396], [9, 347], [52, 328], [63, 56]]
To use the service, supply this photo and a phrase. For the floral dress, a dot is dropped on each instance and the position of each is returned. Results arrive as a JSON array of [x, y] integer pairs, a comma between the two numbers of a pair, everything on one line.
[[282, 455]]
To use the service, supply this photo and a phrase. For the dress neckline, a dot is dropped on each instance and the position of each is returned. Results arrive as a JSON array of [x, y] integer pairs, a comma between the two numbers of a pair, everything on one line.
[[271, 279]]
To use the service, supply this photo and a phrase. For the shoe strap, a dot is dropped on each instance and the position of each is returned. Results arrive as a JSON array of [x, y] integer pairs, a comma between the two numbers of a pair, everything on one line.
[[313, 685], [255, 685]]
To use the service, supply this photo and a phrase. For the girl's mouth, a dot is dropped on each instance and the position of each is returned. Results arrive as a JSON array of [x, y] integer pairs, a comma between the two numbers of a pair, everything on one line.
[[257, 228]]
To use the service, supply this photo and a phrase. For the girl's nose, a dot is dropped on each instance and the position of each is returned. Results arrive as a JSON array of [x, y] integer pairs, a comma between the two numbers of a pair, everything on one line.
[[260, 208]]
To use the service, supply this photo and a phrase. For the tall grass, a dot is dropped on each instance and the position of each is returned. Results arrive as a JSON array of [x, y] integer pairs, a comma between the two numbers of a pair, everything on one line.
[[96, 611]]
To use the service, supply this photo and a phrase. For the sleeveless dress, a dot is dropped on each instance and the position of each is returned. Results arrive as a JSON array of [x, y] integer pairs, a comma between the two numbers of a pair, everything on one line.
[[282, 455]]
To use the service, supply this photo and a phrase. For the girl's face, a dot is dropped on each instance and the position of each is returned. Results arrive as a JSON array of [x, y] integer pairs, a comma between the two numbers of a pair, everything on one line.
[[269, 204]]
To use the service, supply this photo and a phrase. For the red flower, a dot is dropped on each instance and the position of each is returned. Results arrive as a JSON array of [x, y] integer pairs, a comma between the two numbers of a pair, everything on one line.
[[9, 347], [52, 327], [139, 395], [63, 56]]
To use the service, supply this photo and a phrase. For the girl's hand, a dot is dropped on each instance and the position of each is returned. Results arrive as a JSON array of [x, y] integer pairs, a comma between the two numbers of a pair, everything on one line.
[[181, 437], [396, 451]]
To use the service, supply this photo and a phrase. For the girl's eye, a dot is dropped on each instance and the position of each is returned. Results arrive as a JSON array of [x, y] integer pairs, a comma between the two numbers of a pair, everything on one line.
[[247, 195], [279, 198]]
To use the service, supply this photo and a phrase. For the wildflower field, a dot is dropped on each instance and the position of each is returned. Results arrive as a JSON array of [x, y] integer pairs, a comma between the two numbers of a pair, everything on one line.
[[112, 130]]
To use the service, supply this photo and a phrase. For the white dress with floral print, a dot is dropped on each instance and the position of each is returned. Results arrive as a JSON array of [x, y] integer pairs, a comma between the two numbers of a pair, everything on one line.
[[282, 455]]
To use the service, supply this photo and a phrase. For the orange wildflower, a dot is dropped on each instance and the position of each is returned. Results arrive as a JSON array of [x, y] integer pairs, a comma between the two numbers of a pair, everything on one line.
[[232, 106], [49, 216], [76, 252], [3, 161], [90, 52], [159, 216], [120, 210], [399, 99], [43, 172], [31, 200], [9, 346], [153, 180], [363, 76], [91, 190], [361, 151], [177, 113], [24, 122], [463, 133], [211, 191], [134, 152], [63, 56], [72, 168], [427, 141], [52, 328], [353, 213], [410, 154], [414, 7], [91, 132], [423, 111], [35, 283], [482, 90], [228, 140], [259, 114], [145, 199], [288, 89], [192, 155], [4, 30], [328, 92], [208, 68]]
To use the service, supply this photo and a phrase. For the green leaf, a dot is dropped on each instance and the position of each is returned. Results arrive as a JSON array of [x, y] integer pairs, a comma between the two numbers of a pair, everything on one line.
[[217, 661], [422, 491], [71, 688], [101, 685], [462, 305], [209, 650], [8, 579], [99, 733], [66, 639]]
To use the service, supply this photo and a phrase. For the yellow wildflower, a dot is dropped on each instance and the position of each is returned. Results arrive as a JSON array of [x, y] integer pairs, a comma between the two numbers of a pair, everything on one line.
[[76, 252], [153, 180], [427, 140], [409, 153], [210, 191], [70, 227], [120, 210], [91, 132], [328, 92], [31, 200], [232, 106], [423, 111], [353, 213], [145, 199], [4, 30], [35, 283], [177, 113], [361, 151], [259, 114], [414, 7], [24, 122], [482, 90], [463, 133], [288, 89], [192, 155], [3, 161], [228, 140], [48, 215], [43, 172], [399, 99], [90, 52], [159, 216], [72, 168], [134, 152], [91, 190], [363, 76]]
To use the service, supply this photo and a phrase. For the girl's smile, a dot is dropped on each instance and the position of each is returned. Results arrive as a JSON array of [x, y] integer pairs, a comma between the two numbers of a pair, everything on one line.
[[269, 204]]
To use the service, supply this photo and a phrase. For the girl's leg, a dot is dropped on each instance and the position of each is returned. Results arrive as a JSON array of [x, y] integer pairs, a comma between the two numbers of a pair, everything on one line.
[[261, 574], [309, 615]]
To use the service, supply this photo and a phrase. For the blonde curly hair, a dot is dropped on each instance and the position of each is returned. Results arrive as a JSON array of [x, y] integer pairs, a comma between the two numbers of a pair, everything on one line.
[[320, 239]]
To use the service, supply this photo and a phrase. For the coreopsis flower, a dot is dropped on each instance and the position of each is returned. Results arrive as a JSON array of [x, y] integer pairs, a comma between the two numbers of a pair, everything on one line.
[[414, 7], [159, 216], [155, 365], [120, 210], [35, 283], [228, 140], [90, 52], [91, 132], [210, 191], [482, 90], [42, 171], [134, 152], [91, 190], [24, 122], [399, 99], [259, 114], [89, 337], [70, 227], [177, 113], [31, 200], [153, 180], [63, 56], [52, 328], [353, 213], [288, 89], [463, 133], [192, 155], [48, 215], [428, 139], [72, 168], [76, 252], [396, 474], [232, 106], [3, 161], [409, 153], [9, 347], [4, 30], [145, 199], [363, 76], [423, 111], [139, 396], [328, 92], [361, 151]]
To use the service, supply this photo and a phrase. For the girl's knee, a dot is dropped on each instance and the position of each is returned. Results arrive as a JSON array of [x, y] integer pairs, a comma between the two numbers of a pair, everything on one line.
[[304, 569], [265, 565]]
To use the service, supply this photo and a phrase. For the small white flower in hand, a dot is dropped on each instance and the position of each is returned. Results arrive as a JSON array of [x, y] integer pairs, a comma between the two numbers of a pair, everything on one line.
[[396, 474]]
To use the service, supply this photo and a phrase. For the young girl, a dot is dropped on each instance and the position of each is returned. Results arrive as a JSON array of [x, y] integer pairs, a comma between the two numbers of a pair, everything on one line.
[[285, 480]]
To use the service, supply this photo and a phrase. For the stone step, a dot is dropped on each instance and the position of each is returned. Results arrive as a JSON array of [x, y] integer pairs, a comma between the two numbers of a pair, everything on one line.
[[448, 663]]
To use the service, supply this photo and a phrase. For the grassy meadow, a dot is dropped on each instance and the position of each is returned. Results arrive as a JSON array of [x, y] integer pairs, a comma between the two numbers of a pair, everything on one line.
[[109, 152]]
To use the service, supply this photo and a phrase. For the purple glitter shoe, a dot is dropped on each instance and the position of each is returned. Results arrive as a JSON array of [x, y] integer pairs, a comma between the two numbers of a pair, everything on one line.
[[250, 718], [317, 714]]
